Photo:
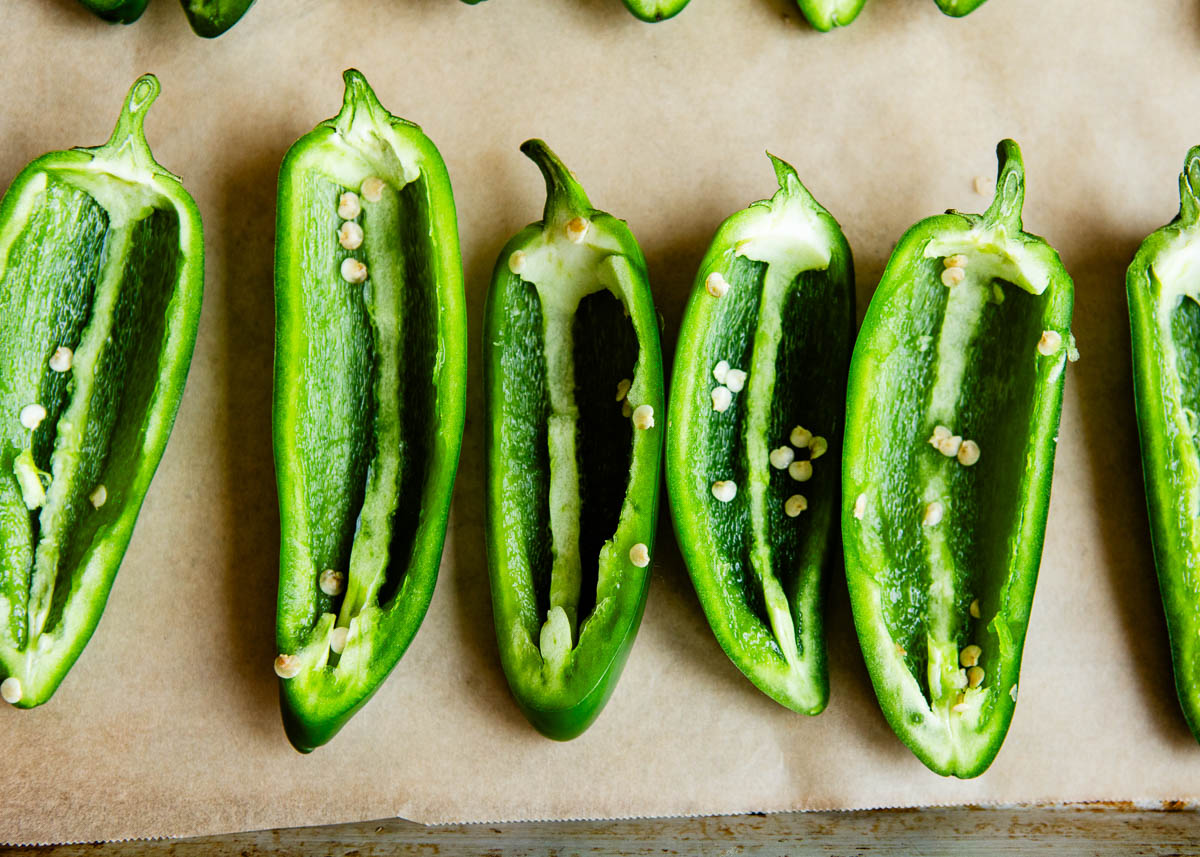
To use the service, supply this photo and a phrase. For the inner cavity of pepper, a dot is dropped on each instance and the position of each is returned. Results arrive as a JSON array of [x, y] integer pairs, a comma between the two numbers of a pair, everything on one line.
[[954, 455], [772, 440], [364, 431], [83, 303]]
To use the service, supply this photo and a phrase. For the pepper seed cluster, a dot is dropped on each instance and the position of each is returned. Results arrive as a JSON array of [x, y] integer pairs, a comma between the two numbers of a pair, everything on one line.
[[350, 233]]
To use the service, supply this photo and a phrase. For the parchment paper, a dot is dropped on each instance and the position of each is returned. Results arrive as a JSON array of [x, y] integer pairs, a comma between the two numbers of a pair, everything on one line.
[[168, 725]]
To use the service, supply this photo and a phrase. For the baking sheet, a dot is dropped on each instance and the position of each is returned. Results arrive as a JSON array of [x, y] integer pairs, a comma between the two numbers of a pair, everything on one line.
[[168, 725]]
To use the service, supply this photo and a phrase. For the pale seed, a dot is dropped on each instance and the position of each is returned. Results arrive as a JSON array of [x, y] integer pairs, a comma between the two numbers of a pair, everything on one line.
[[372, 189], [337, 639], [332, 582], [801, 471], [60, 360], [724, 490], [643, 417], [975, 676], [794, 505], [968, 453], [1050, 342], [354, 271], [735, 380], [10, 690], [817, 447], [800, 437], [782, 457], [716, 285], [639, 555], [721, 399], [350, 235], [348, 206], [32, 416], [577, 229], [933, 514], [287, 666]]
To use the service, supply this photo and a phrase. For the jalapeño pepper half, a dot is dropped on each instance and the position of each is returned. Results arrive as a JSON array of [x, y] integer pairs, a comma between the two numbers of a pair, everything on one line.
[[754, 435], [211, 18], [655, 10], [574, 392], [1163, 286], [954, 398], [958, 8], [117, 11], [824, 15], [370, 385], [101, 276]]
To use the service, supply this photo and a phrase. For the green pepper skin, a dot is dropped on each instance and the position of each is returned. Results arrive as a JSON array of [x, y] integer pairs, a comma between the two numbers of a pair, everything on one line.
[[101, 252], [787, 319], [211, 18], [369, 403], [935, 534], [572, 474], [824, 15], [1164, 316], [116, 11], [959, 8], [653, 11]]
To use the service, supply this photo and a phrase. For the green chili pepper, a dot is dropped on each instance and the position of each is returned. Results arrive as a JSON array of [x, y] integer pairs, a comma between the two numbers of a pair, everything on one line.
[[117, 11], [824, 15], [958, 8], [951, 421], [101, 277], [211, 18], [370, 380], [652, 11], [753, 446], [1165, 317], [574, 393]]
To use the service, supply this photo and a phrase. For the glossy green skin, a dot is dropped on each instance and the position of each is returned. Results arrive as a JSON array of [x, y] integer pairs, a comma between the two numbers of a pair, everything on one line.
[[1166, 346], [959, 8], [109, 259], [117, 11], [369, 399], [652, 11], [824, 15], [561, 699], [1008, 399], [815, 315], [211, 18]]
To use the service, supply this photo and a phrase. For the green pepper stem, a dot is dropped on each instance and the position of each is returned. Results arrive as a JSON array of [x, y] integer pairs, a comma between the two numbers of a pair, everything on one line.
[[1010, 187], [789, 181], [359, 101], [1189, 187], [128, 141], [565, 198]]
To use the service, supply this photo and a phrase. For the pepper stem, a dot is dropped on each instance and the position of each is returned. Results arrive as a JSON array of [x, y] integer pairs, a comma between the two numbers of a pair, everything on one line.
[[128, 140], [1189, 187], [789, 182], [359, 103], [565, 198], [1010, 187]]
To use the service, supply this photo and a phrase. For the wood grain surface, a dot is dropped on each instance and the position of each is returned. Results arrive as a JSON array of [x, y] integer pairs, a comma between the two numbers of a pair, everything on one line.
[[1069, 831]]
